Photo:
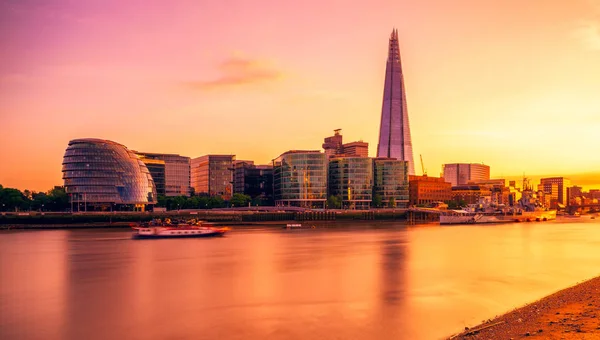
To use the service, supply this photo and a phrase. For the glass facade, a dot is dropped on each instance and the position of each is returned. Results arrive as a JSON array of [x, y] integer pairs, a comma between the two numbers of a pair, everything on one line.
[[351, 178], [176, 173], [300, 179], [213, 175], [390, 180], [157, 170], [99, 173], [463, 173], [254, 180], [394, 130]]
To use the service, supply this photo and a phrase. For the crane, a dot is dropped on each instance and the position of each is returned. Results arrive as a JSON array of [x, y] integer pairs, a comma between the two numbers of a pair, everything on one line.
[[422, 166]]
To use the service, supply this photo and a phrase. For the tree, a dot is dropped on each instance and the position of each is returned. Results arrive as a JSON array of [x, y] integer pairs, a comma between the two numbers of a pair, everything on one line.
[[334, 202], [13, 199], [240, 200], [216, 202], [392, 202], [58, 200], [377, 201]]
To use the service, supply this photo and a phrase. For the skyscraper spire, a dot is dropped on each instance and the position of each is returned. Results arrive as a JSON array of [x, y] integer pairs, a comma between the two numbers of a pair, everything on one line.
[[394, 129]]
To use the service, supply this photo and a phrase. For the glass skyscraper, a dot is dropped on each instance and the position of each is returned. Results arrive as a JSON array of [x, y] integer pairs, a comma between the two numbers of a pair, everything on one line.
[[394, 129]]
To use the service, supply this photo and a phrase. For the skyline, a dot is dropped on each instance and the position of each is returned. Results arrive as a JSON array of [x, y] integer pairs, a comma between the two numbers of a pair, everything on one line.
[[485, 83]]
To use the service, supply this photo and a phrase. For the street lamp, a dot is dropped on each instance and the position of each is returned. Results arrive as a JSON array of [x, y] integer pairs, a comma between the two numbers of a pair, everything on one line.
[[42, 208]]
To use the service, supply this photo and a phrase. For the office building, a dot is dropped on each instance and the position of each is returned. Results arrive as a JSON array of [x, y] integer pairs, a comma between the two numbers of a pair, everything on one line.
[[300, 179], [390, 182], [101, 175], [157, 170], [559, 192], [176, 172], [356, 149], [255, 181], [424, 190], [394, 129], [334, 147], [465, 173], [212, 175], [351, 179]]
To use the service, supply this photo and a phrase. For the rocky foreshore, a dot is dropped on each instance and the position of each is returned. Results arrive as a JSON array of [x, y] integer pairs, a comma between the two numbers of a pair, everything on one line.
[[572, 313]]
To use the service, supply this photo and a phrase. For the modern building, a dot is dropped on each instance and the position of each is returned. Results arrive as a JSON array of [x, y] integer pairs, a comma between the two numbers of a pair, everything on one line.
[[465, 173], [560, 191], [334, 147], [394, 129], [300, 179], [356, 149], [212, 175], [157, 170], [427, 190], [390, 182], [101, 175], [176, 173], [254, 181], [351, 178]]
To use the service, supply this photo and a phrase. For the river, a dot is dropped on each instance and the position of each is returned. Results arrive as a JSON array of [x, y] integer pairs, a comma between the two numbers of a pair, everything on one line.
[[352, 280]]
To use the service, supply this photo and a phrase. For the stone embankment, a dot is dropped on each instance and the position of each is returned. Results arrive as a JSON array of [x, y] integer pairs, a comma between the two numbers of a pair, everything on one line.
[[572, 313]]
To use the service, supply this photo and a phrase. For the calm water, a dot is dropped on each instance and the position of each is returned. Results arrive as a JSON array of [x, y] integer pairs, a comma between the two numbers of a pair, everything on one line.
[[349, 281]]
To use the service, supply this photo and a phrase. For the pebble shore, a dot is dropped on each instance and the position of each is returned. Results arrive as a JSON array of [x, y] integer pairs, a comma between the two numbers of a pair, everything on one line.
[[572, 313]]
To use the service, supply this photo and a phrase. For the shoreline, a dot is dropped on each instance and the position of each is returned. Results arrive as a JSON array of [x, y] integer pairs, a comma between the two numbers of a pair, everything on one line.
[[570, 313], [240, 225]]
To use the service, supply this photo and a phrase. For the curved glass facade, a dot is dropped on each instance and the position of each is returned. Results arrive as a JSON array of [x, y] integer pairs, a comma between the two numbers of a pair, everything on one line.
[[351, 178], [300, 179], [99, 172]]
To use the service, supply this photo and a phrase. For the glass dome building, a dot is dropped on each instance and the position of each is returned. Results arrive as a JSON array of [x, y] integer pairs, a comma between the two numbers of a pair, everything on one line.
[[100, 174]]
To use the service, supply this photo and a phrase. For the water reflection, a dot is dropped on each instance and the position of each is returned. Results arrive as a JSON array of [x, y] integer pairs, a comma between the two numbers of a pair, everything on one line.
[[361, 281]]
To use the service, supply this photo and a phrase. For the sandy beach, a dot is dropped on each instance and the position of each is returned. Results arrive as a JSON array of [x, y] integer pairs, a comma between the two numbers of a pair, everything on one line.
[[572, 313]]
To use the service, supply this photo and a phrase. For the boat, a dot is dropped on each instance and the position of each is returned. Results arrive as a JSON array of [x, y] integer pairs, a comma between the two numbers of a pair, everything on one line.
[[527, 209], [183, 229], [297, 226]]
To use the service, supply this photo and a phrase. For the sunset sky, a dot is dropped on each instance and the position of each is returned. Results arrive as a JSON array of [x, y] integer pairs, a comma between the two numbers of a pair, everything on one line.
[[513, 84]]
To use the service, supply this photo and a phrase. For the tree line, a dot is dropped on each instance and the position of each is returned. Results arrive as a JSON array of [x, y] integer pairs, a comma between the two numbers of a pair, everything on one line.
[[206, 202], [55, 199]]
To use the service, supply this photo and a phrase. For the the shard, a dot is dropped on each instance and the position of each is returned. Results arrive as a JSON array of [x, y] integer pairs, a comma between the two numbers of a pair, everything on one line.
[[394, 130]]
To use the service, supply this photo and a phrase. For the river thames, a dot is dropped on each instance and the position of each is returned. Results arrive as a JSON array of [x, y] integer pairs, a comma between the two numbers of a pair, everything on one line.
[[338, 281]]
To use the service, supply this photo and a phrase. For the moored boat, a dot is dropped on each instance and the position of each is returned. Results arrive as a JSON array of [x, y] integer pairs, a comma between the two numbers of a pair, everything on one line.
[[528, 209]]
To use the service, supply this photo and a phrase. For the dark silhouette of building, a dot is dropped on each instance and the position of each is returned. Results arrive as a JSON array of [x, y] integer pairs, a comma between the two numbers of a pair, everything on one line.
[[255, 181]]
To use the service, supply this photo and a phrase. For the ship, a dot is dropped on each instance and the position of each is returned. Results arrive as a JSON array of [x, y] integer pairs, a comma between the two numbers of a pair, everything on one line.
[[528, 209], [180, 229]]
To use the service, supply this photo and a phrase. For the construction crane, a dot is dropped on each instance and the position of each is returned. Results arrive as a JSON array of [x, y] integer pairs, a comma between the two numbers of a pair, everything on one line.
[[422, 166]]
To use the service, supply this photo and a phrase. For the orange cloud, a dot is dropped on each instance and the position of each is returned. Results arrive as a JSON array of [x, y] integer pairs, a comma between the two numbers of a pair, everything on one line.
[[236, 72]]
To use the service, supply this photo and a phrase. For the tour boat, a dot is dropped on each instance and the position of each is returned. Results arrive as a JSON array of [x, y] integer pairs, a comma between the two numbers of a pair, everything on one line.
[[167, 230]]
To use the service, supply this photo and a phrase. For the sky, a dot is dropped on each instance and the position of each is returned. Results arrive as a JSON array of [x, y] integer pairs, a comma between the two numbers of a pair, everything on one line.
[[512, 84]]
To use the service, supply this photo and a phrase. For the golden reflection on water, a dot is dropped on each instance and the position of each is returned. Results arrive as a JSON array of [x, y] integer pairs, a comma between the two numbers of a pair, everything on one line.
[[350, 281]]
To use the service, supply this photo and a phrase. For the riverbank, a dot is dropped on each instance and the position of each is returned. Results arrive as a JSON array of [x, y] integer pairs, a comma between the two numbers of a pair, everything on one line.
[[572, 313]]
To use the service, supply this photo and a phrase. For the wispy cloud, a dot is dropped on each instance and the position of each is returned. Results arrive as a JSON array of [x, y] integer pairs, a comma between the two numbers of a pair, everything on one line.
[[236, 72]]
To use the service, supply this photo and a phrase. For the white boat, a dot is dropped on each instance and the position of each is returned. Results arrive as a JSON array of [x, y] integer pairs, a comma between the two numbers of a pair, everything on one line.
[[158, 229]]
